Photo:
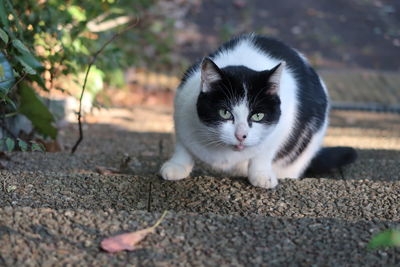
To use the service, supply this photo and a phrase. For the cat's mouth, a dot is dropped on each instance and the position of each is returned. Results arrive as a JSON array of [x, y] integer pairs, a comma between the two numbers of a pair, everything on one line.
[[239, 147]]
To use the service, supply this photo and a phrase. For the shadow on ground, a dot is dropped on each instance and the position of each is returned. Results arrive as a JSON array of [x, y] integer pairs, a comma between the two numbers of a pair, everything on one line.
[[105, 147], [62, 180], [59, 206]]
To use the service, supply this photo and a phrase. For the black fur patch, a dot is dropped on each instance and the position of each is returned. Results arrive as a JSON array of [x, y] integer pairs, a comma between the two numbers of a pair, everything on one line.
[[230, 90]]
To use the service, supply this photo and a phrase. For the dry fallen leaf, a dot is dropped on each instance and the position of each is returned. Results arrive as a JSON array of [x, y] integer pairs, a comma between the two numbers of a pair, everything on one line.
[[125, 241], [124, 167], [128, 241], [106, 170], [50, 146]]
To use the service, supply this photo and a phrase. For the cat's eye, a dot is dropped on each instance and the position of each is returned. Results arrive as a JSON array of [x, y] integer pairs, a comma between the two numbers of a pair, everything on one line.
[[257, 116], [225, 114]]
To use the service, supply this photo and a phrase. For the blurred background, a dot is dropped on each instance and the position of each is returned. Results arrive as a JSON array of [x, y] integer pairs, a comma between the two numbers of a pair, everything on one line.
[[47, 45], [56, 207]]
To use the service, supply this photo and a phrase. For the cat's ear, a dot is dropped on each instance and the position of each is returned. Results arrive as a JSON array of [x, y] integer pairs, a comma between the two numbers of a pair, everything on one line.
[[210, 73], [275, 78]]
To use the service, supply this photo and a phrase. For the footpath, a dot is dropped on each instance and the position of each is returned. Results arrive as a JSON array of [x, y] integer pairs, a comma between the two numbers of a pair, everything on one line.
[[55, 208]]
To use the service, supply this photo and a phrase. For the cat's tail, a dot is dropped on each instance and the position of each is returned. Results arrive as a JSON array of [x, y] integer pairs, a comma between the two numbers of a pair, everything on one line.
[[329, 158]]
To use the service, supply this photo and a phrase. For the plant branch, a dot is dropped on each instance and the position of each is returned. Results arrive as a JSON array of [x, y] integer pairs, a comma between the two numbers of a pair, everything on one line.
[[95, 55], [19, 80]]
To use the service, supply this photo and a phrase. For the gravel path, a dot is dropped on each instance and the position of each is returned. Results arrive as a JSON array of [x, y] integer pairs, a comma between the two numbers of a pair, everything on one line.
[[56, 207], [49, 237], [317, 198]]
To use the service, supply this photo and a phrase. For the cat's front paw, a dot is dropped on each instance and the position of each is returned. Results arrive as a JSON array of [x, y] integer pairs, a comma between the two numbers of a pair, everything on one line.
[[261, 179], [173, 171]]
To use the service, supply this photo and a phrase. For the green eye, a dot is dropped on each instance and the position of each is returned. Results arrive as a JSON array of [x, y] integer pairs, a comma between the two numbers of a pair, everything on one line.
[[225, 114], [257, 116]]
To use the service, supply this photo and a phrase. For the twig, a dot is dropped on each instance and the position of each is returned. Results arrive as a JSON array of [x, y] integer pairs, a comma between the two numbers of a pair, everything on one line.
[[9, 115], [5, 185], [86, 76], [19, 80], [149, 199]]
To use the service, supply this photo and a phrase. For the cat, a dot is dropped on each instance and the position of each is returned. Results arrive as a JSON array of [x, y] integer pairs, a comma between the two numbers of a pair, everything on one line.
[[253, 108]]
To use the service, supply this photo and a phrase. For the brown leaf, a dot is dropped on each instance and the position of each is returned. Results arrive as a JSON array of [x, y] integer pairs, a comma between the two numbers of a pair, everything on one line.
[[127, 241], [106, 170], [124, 167], [51, 146]]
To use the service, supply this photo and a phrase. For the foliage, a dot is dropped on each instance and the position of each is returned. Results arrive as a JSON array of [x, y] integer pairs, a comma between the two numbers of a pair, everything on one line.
[[387, 238], [8, 144], [43, 40], [36, 111]]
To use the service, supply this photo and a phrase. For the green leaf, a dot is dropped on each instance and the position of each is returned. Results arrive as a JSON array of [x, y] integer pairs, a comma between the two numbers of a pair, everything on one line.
[[22, 145], [387, 238], [20, 46], [77, 13], [27, 68], [11, 102], [36, 111], [33, 62], [10, 144], [37, 147], [40, 81], [27, 59], [4, 36], [4, 14]]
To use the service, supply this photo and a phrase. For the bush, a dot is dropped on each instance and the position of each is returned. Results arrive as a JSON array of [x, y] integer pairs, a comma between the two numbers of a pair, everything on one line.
[[43, 40]]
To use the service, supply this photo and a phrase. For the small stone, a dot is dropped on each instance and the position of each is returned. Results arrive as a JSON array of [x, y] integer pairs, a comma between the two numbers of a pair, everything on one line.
[[87, 243], [69, 213]]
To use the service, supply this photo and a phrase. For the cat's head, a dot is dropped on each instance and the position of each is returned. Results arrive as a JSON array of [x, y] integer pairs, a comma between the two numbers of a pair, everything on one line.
[[238, 105]]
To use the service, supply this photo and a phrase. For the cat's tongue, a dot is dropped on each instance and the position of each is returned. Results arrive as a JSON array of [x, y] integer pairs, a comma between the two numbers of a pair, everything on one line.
[[239, 147]]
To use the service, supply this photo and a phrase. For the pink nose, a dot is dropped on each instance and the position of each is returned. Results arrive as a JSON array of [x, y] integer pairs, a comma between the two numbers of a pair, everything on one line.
[[240, 137]]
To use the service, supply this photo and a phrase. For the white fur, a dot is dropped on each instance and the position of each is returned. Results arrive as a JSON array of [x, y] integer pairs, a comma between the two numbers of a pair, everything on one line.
[[195, 140]]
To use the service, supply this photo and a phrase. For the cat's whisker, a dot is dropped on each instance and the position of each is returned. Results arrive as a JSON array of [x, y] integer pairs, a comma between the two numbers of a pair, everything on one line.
[[255, 98], [229, 92]]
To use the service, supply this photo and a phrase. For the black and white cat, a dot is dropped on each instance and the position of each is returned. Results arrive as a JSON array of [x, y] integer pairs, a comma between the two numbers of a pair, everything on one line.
[[253, 108]]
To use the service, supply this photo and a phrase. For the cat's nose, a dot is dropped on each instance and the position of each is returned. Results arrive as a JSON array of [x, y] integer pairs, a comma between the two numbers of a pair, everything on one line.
[[240, 137], [241, 132]]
